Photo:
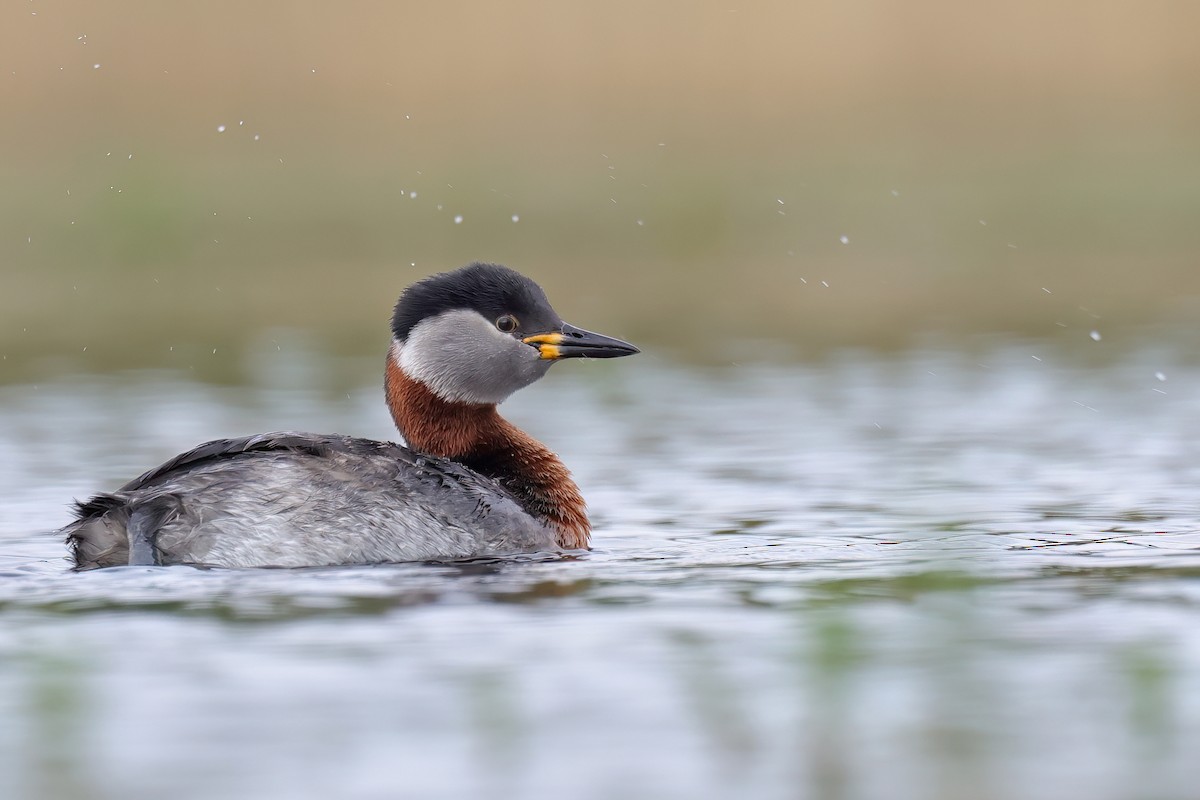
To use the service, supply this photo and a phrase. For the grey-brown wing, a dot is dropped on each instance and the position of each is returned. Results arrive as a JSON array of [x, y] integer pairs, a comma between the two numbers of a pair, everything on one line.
[[372, 500], [284, 441]]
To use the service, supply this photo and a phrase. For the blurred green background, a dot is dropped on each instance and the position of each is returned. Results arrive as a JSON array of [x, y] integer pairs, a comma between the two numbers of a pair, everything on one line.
[[179, 178]]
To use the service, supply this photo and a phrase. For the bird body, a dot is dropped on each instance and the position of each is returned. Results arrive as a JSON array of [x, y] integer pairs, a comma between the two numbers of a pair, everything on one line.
[[468, 483]]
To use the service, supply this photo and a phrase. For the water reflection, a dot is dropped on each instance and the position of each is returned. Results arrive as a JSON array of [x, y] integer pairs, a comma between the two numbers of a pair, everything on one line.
[[917, 577]]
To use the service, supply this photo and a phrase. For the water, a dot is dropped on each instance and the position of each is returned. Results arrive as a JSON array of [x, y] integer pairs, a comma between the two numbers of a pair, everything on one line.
[[933, 575]]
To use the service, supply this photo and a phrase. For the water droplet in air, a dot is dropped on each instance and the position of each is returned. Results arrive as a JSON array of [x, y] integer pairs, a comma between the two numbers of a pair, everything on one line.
[[1162, 376], [458, 219], [845, 240], [412, 195], [95, 66], [1095, 336], [220, 129], [516, 217]]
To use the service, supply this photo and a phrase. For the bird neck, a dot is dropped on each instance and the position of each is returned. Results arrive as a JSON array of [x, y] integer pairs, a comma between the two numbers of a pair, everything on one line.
[[476, 436]]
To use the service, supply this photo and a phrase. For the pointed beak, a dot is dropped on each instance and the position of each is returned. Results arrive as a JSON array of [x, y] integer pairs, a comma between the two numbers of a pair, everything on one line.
[[572, 342]]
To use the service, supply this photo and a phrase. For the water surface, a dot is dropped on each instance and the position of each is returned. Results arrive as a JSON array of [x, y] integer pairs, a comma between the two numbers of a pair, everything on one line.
[[933, 575]]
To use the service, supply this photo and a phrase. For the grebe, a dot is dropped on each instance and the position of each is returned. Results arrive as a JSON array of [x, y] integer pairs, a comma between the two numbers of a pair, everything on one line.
[[468, 484]]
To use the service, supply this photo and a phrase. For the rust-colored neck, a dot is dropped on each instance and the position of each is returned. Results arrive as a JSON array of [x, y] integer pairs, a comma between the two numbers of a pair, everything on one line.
[[478, 437]]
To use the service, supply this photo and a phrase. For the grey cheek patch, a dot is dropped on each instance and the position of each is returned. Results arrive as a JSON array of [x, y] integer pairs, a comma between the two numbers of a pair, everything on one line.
[[462, 357]]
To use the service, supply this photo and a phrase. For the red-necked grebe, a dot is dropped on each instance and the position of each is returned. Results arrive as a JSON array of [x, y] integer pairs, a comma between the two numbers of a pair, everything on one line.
[[468, 484]]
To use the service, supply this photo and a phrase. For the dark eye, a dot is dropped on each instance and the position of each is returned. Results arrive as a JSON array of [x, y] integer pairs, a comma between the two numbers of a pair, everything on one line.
[[506, 324]]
